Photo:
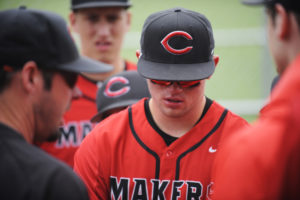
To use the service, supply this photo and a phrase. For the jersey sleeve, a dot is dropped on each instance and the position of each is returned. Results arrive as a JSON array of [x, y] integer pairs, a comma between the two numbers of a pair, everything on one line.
[[87, 165], [233, 125]]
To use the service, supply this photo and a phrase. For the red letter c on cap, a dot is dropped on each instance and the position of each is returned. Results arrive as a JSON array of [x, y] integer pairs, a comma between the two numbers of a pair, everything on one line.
[[118, 79], [166, 45]]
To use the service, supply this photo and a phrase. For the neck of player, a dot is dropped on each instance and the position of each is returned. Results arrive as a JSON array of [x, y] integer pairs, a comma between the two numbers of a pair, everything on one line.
[[177, 126]]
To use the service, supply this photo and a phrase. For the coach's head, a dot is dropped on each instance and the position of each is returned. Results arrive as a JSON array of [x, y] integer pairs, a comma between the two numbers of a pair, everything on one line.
[[283, 29], [39, 64]]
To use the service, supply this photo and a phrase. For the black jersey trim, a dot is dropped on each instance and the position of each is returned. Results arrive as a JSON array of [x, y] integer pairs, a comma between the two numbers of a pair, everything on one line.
[[208, 103], [143, 145], [166, 137], [199, 143]]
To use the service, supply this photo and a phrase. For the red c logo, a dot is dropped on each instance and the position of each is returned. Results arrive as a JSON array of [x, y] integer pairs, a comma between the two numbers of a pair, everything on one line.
[[166, 45], [117, 93]]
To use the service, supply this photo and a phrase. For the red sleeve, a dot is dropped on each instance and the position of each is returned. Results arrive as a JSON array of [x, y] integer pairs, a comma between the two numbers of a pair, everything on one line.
[[253, 164], [130, 66], [87, 165], [233, 171]]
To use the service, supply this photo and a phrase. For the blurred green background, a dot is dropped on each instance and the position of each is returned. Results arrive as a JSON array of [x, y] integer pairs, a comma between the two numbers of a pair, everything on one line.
[[243, 76]]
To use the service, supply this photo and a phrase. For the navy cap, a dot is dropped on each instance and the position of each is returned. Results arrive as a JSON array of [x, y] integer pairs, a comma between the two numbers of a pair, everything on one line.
[[79, 4], [119, 91], [293, 5], [176, 45], [43, 37]]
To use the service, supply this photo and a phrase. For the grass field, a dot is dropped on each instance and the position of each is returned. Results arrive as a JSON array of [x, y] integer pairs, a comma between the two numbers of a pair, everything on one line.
[[244, 71]]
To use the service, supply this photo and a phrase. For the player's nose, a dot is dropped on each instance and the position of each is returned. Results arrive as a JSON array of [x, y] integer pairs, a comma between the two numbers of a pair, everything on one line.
[[103, 29], [175, 87]]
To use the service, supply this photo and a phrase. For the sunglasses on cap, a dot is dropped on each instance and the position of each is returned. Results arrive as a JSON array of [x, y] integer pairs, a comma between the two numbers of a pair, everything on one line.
[[183, 84]]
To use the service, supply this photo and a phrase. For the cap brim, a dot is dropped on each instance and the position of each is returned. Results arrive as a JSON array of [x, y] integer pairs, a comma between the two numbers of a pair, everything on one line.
[[98, 117], [254, 2], [101, 4], [175, 72], [87, 65]]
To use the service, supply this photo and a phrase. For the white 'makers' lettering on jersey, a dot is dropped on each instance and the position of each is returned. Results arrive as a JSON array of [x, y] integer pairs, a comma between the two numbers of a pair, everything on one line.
[[153, 189]]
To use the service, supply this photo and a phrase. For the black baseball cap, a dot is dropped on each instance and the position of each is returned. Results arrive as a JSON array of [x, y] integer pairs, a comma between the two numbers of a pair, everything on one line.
[[43, 37], [176, 45], [288, 4], [79, 4], [120, 90]]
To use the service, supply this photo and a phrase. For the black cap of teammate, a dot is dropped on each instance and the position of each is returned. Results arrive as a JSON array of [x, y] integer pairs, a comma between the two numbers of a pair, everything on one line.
[[80, 4], [43, 37], [288, 4], [120, 91], [176, 45]]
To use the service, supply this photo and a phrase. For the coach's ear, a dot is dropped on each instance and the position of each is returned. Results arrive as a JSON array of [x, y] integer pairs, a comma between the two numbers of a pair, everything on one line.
[[32, 78], [138, 53]]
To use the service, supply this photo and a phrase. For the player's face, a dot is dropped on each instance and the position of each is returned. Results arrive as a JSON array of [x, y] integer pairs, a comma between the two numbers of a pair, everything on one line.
[[101, 31], [175, 101], [50, 108]]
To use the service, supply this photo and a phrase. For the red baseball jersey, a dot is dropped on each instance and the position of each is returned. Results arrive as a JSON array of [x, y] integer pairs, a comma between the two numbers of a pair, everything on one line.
[[263, 161], [124, 157], [77, 121]]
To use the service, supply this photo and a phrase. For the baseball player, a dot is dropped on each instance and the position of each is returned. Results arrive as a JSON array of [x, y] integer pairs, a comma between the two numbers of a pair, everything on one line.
[[118, 92], [39, 64], [162, 147], [263, 161], [101, 26]]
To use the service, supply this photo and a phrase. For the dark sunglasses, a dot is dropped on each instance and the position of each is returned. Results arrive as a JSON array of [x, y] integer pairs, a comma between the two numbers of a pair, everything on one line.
[[183, 84], [69, 77]]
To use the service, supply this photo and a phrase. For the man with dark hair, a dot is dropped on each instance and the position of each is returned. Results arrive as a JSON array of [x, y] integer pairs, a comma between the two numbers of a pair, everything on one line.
[[39, 64], [162, 147], [101, 26], [263, 162]]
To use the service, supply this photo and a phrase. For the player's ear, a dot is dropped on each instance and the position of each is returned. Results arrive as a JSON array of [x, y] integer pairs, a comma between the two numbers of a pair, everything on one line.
[[216, 59], [72, 21], [282, 22], [31, 77], [138, 53]]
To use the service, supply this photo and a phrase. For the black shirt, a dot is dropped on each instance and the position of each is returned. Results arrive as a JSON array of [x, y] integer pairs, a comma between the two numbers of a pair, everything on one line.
[[26, 172]]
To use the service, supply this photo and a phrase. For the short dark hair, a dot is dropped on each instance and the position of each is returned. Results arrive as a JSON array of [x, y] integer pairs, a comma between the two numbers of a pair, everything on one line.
[[272, 12], [69, 77], [5, 78]]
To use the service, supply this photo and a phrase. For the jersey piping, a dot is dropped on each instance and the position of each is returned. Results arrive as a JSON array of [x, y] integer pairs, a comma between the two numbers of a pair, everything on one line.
[[156, 156], [168, 138], [199, 143], [143, 145]]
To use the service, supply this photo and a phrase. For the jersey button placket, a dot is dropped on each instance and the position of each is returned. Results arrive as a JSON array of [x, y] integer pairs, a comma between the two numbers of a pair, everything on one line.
[[169, 153]]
